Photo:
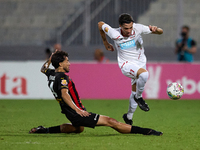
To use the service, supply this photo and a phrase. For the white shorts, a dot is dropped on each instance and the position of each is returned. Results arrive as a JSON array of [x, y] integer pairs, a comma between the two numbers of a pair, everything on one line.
[[130, 70]]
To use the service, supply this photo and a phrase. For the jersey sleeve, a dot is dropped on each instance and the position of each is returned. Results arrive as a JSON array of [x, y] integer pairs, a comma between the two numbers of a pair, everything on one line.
[[63, 82], [48, 72], [143, 29], [111, 32]]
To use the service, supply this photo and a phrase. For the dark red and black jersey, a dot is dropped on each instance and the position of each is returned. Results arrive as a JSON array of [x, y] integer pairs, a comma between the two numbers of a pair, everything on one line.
[[58, 81]]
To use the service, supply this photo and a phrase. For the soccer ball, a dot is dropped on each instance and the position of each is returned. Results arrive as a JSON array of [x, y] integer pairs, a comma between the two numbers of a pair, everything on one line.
[[175, 90]]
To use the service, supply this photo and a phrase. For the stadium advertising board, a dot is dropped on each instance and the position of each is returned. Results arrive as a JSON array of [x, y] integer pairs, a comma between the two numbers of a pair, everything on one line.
[[23, 80]]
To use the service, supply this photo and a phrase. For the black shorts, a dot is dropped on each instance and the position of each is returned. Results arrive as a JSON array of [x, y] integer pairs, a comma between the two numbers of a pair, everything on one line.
[[89, 121]]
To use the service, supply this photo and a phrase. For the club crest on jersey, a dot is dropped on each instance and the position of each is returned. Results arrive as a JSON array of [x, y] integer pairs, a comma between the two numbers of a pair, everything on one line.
[[106, 29], [64, 82]]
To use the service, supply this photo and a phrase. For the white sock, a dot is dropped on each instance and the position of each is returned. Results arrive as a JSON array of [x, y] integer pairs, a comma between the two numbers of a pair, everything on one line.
[[141, 81], [132, 106]]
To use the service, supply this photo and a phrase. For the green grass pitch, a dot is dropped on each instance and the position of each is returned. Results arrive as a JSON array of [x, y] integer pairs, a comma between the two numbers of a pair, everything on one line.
[[179, 121]]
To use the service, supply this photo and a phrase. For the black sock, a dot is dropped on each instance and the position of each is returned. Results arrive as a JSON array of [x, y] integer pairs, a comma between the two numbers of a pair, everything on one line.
[[139, 130], [55, 129]]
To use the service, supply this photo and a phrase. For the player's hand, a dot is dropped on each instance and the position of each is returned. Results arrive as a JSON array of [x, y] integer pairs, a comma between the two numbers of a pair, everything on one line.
[[156, 30], [153, 28], [109, 47], [82, 113]]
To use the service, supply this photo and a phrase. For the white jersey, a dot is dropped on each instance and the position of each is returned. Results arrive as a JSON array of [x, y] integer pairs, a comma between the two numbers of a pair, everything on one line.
[[128, 48]]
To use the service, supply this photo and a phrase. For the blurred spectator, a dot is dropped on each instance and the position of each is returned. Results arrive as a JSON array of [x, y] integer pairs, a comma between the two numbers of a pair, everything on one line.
[[99, 56], [47, 53], [57, 46], [49, 50], [185, 46]]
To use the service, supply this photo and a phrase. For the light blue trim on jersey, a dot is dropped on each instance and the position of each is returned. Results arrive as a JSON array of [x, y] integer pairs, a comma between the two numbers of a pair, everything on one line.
[[127, 45]]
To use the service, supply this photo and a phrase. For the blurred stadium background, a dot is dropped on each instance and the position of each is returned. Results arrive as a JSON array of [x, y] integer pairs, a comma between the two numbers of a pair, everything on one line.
[[28, 27]]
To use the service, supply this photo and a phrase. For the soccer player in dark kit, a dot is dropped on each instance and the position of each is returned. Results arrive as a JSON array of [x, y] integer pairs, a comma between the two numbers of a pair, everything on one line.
[[64, 91]]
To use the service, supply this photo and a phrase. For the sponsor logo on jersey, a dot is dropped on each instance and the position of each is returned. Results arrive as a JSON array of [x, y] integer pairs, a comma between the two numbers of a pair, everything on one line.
[[127, 45], [106, 29], [64, 82]]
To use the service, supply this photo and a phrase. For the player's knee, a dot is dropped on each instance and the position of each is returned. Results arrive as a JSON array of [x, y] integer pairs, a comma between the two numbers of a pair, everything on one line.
[[144, 76], [112, 122], [79, 129], [69, 128]]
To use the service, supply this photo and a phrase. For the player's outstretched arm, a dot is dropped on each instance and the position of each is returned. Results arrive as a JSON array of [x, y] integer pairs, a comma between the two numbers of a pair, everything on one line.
[[67, 98], [107, 45], [45, 65], [156, 30]]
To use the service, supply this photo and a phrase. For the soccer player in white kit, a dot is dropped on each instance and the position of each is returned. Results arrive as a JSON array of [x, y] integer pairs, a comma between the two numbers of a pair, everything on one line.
[[130, 55]]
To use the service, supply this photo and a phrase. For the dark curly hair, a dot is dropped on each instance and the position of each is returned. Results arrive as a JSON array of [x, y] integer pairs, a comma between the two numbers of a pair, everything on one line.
[[58, 57], [125, 18]]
